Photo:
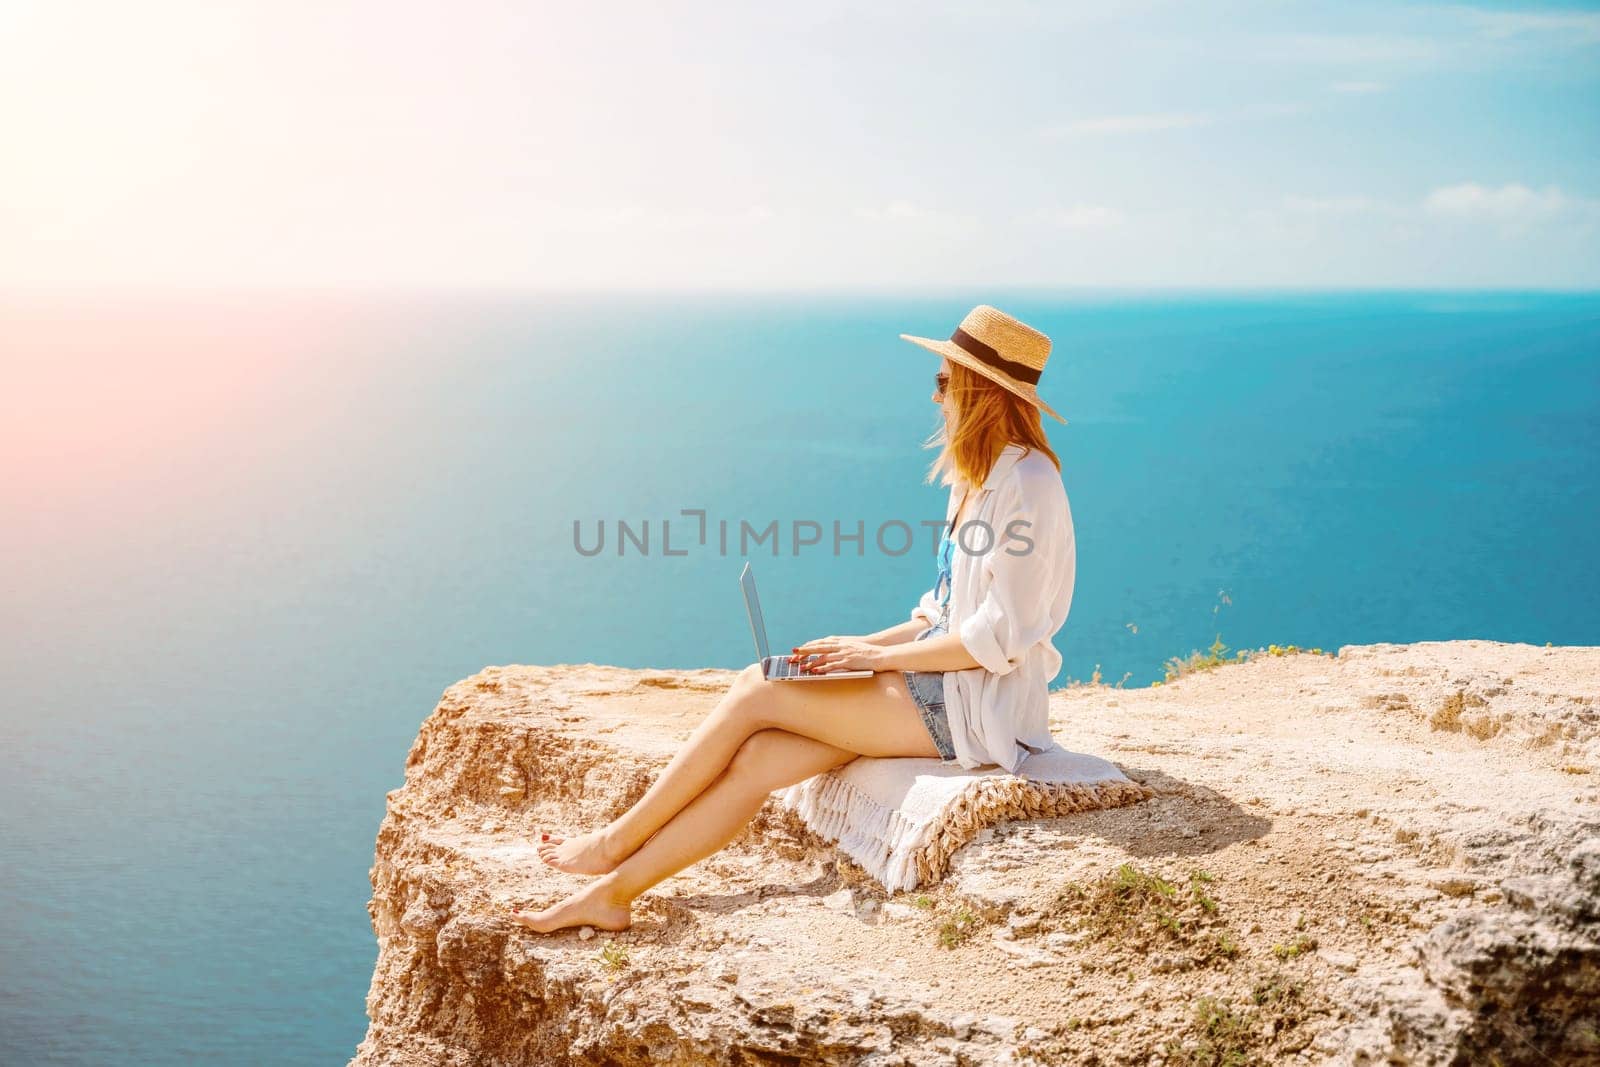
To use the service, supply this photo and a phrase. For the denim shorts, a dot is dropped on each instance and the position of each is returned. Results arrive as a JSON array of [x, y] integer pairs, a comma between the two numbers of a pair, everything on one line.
[[927, 689]]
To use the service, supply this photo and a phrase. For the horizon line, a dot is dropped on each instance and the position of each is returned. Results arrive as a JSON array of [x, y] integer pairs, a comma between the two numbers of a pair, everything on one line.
[[776, 290]]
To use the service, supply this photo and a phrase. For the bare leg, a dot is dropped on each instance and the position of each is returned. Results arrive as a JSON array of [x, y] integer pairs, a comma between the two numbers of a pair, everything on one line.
[[867, 716], [702, 758], [768, 760]]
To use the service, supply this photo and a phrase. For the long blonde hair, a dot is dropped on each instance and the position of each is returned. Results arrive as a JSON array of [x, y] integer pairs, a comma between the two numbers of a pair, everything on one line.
[[988, 417]]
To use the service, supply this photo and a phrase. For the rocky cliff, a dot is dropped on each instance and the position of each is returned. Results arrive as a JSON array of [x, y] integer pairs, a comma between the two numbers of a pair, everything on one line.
[[1388, 855]]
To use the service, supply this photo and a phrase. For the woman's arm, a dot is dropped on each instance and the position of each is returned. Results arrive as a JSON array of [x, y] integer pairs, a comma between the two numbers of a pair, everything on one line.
[[896, 635], [942, 653], [949, 653], [1015, 612]]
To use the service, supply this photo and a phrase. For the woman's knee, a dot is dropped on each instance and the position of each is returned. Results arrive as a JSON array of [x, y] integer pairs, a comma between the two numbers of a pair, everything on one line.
[[752, 677], [759, 758], [749, 701]]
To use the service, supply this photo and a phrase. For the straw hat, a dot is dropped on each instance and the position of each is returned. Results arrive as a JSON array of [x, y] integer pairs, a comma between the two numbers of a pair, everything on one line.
[[1007, 352]]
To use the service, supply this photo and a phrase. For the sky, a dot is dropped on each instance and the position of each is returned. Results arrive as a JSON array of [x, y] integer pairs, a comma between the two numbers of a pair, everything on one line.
[[820, 145]]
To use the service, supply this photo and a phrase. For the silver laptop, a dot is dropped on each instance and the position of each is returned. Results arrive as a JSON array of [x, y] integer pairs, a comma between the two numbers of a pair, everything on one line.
[[778, 668]]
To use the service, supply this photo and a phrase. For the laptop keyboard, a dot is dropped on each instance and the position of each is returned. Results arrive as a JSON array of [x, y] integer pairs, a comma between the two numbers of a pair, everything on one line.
[[780, 667]]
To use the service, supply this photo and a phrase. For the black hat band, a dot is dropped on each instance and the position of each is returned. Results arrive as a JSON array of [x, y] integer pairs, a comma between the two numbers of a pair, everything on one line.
[[974, 347]]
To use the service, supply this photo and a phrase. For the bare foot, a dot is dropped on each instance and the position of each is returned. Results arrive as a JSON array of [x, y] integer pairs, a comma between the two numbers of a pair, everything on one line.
[[591, 906], [588, 853]]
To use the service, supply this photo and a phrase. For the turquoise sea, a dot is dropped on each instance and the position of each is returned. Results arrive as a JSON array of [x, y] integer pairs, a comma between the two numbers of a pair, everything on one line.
[[248, 539]]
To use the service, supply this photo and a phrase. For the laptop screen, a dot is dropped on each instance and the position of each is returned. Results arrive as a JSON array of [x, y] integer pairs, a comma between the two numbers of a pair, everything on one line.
[[747, 581]]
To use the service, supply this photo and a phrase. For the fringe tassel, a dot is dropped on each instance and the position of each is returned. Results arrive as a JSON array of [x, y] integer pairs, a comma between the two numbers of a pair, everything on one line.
[[902, 855]]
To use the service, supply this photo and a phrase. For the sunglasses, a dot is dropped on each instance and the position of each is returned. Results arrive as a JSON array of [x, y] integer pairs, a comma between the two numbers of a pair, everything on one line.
[[940, 380]]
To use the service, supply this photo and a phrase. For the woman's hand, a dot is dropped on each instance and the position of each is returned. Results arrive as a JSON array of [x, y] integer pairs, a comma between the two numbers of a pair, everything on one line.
[[839, 654]]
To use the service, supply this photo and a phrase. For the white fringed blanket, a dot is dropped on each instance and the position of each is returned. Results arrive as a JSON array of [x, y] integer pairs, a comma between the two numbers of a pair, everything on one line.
[[902, 819]]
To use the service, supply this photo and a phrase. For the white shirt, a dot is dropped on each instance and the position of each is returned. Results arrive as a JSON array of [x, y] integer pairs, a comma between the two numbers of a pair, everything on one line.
[[1007, 600]]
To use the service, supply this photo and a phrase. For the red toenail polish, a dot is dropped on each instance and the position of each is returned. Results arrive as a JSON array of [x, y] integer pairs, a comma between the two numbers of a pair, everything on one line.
[[544, 837]]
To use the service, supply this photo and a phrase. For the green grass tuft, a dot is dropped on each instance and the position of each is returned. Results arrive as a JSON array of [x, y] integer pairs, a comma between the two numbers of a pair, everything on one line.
[[959, 927]]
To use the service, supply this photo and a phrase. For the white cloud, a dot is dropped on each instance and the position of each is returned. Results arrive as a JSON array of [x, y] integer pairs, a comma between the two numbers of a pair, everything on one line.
[[1572, 27], [1509, 211], [1455, 35], [1084, 217], [1115, 124], [1513, 206], [1359, 87], [1513, 209]]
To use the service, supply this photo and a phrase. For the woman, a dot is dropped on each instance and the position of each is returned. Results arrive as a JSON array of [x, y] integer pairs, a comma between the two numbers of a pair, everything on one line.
[[964, 679]]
